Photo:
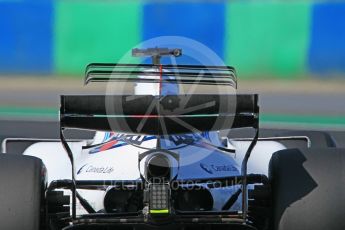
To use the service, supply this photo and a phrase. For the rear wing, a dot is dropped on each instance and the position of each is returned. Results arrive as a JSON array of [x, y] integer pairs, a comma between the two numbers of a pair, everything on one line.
[[159, 115], [150, 73]]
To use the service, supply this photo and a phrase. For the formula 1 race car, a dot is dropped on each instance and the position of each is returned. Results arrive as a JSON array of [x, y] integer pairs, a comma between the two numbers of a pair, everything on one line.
[[157, 160]]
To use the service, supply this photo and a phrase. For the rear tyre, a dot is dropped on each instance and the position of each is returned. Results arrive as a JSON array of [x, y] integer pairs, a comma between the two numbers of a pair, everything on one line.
[[308, 189], [21, 192]]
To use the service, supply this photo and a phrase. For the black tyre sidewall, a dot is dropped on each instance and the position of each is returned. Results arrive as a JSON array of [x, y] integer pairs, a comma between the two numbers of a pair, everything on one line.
[[21, 192]]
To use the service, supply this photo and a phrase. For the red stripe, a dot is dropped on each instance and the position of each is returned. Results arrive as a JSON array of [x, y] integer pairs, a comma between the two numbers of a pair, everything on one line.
[[160, 79], [108, 145]]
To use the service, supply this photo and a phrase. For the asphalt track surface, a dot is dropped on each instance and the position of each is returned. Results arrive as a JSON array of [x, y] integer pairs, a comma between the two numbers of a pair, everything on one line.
[[308, 97]]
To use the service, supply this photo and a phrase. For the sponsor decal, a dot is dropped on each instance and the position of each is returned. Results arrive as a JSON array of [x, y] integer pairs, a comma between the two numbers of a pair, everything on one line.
[[114, 140], [206, 168], [218, 168], [87, 168], [224, 168], [188, 138]]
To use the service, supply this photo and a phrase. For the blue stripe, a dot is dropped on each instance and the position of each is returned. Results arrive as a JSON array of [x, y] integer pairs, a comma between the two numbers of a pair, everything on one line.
[[26, 40], [119, 144], [327, 47]]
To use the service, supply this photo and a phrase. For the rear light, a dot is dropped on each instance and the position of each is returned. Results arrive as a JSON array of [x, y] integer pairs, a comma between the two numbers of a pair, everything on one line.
[[159, 199]]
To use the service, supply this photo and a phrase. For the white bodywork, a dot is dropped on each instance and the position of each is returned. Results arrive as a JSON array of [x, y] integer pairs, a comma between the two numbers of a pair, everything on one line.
[[121, 163]]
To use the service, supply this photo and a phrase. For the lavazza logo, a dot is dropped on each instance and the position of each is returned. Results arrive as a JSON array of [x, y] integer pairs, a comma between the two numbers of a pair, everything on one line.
[[87, 168]]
